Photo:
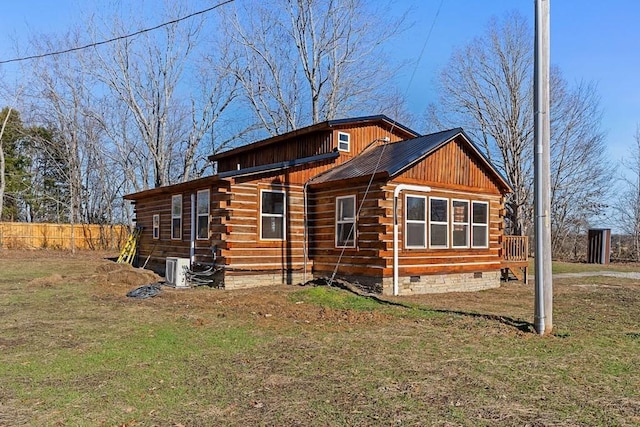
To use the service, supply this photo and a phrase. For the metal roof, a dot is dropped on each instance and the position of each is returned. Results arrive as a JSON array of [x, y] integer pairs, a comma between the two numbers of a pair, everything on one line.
[[278, 166], [394, 158]]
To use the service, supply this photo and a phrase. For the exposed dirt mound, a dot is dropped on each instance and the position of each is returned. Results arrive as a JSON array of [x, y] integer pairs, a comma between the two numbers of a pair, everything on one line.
[[46, 282], [124, 275]]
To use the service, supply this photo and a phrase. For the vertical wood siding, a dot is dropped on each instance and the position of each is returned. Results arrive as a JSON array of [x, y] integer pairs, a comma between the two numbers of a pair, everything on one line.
[[321, 142]]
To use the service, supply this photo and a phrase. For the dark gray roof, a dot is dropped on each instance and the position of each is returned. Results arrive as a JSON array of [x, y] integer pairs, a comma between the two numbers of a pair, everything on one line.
[[278, 166], [394, 158]]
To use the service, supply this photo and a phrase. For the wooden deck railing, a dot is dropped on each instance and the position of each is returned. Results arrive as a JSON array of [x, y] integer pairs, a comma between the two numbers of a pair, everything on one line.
[[515, 248]]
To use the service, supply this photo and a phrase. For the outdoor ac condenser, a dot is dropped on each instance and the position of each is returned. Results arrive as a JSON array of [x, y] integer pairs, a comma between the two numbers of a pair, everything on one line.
[[176, 272]]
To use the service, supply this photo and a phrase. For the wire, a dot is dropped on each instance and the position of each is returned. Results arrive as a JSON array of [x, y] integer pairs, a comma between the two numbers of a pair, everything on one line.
[[126, 36], [424, 46], [352, 231]]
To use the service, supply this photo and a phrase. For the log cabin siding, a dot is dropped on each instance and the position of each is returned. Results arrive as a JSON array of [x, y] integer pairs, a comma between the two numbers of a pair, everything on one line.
[[245, 250], [157, 250], [452, 170]]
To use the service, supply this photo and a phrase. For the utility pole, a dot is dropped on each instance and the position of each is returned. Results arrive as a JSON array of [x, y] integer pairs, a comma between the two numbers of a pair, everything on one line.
[[544, 282]]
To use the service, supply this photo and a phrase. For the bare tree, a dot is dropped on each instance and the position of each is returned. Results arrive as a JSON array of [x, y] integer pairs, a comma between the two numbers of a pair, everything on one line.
[[580, 172], [163, 102], [487, 88], [305, 61], [628, 206]]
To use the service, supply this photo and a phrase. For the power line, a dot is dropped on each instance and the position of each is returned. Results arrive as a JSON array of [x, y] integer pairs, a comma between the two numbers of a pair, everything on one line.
[[424, 46], [146, 30]]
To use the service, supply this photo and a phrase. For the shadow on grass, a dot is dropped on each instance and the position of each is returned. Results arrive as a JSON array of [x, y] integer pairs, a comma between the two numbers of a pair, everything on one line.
[[519, 324]]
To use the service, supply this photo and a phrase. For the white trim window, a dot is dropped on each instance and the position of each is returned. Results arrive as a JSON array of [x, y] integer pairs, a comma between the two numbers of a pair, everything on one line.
[[460, 223], [415, 225], [202, 221], [272, 215], [344, 141], [176, 217], [479, 225], [438, 223], [156, 226], [346, 222]]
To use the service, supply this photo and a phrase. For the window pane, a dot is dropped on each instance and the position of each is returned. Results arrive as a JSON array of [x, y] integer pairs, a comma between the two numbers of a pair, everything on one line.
[[480, 214], [415, 235], [203, 202], [345, 234], [346, 209], [479, 235], [439, 210], [416, 208], [176, 232], [460, 211], [176, 205], [272, 228], [272, 203], [343, 141], [203, 227], [460, 235], [438, 235]]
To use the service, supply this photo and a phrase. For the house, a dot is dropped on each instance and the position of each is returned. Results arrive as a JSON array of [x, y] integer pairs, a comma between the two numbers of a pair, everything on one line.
[[364, 199]]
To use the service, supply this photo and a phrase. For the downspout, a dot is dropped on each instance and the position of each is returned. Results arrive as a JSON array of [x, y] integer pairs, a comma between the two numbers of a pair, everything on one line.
[[192, 249], [396, 192], [305, 234]]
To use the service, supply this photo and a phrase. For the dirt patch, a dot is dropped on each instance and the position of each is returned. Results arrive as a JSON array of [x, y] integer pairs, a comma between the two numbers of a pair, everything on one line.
[[47, 282]]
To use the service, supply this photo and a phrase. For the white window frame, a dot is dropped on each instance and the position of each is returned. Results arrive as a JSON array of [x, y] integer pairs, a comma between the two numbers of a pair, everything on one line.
[[349, 243], [156, 226], [414, 221], [272, 215], [202, 215], [455, 223], [476, 224], [174, 216], [347, 142], [445, 223]]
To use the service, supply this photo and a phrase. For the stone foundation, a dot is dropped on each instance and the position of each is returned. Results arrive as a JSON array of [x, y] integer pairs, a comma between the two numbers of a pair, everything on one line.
[[244, 281], [442, 283]]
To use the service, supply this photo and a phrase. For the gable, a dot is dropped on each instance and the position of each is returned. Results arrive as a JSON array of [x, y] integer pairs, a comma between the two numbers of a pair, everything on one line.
[[457, 165]]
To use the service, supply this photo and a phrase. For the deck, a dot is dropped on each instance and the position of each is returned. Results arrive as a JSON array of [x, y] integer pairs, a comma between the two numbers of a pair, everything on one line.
[[515, 257]]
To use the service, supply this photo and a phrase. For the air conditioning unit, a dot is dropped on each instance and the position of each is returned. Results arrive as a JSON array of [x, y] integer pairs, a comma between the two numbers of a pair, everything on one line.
[[176, 272]]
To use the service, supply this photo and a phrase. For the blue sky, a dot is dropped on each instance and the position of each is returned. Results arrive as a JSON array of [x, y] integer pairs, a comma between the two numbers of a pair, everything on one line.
[[590, 41]]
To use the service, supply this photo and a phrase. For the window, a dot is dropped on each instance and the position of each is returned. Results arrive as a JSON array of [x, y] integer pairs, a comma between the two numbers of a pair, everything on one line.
[[202, 223], [272, 215], [460, 220], [438, 223], [415, 229], [156, 226], [480, 224], [344, 141], [176, 217], [346, 222]]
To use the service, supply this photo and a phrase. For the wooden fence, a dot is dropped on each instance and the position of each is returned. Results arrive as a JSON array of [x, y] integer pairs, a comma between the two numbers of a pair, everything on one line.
[[25, 235]]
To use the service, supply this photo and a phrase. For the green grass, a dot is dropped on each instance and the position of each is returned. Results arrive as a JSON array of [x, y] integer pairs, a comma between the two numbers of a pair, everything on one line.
[[75, 351]]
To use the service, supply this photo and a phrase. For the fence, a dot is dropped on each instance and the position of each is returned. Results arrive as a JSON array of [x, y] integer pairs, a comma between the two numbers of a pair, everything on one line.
[[25, 235]]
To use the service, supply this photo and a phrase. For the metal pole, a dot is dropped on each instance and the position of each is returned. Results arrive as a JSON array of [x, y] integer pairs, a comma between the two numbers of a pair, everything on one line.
[[542, 183]]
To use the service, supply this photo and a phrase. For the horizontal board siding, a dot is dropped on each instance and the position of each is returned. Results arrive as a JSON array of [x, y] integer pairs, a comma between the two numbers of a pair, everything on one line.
[[244, 249], [375, 235], [156, 250], [365, 258]]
